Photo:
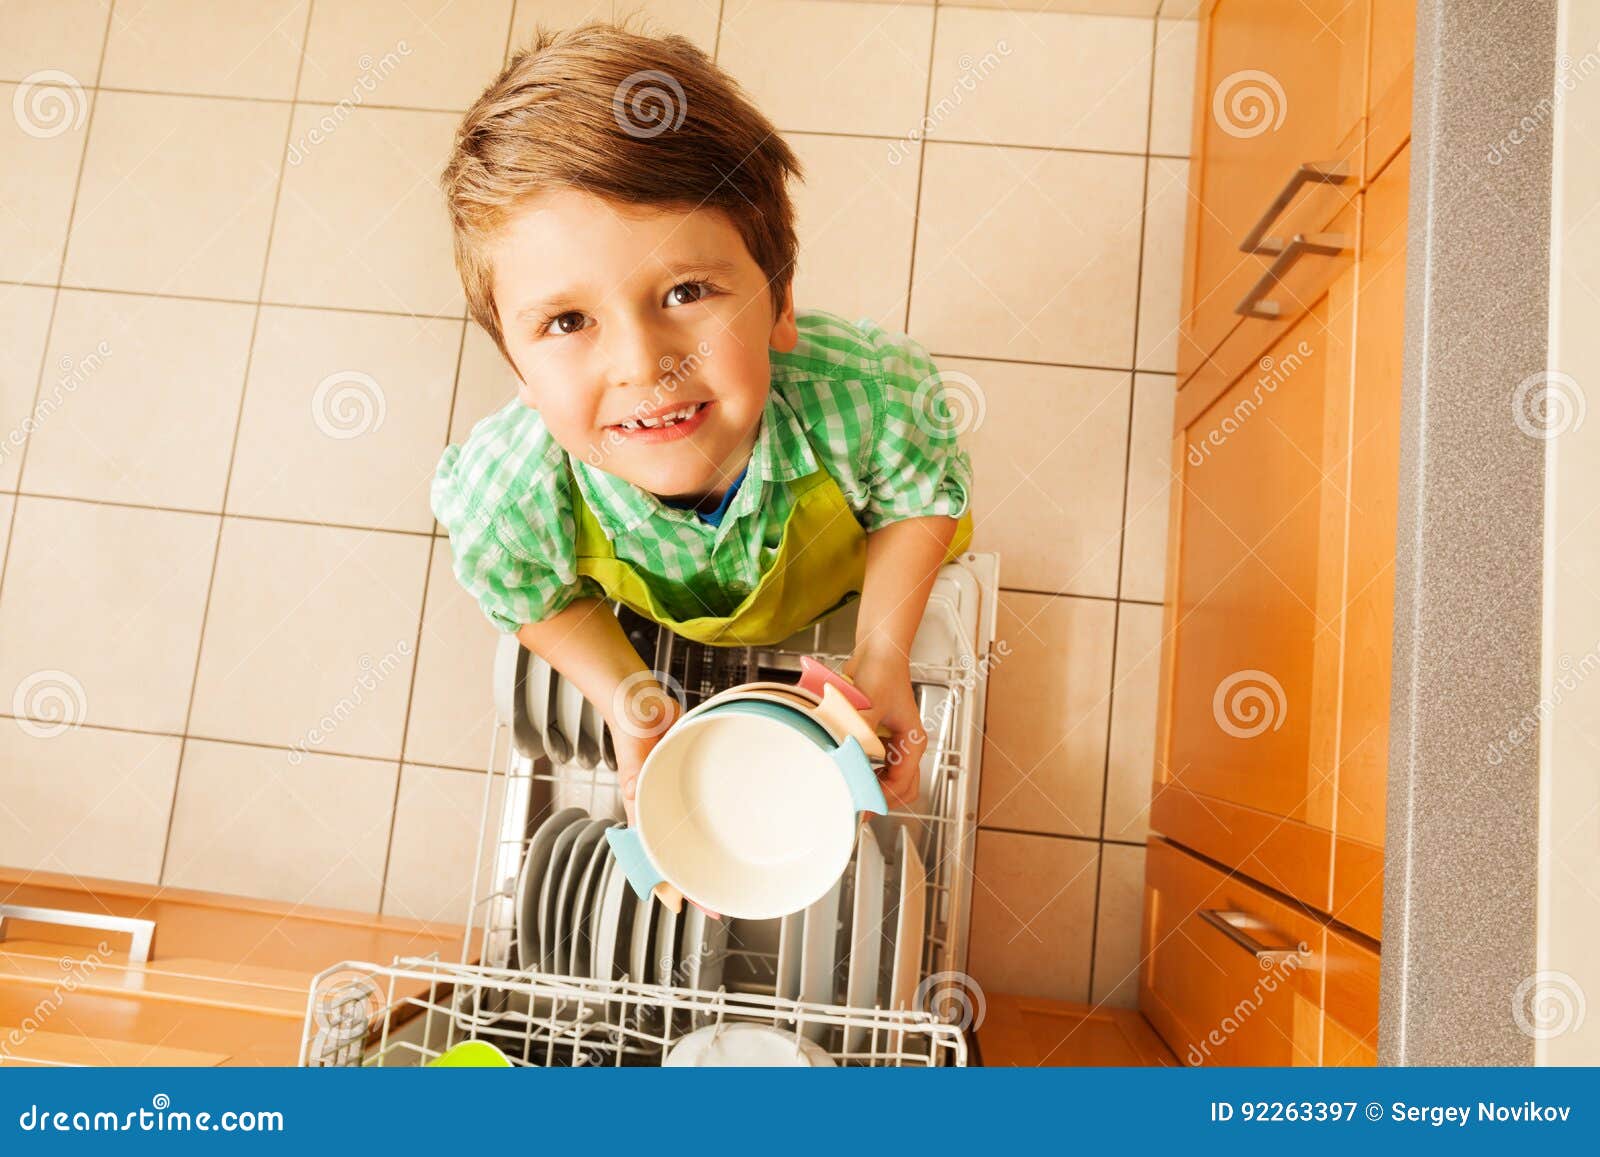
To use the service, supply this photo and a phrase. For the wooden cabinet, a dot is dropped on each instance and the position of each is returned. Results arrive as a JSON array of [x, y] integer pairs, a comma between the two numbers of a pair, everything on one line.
[[1256, 499], [1231, 975], [226, 982], [1368, 619], [1350, 1000], [1278, 87], [1272, 749]]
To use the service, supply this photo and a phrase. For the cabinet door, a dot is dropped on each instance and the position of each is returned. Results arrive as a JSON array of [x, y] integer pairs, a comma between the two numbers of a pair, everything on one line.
[[1278, 85], [1350, 1001], [1394, 32], [1222, 978], [1369, 579], [1258, 561]]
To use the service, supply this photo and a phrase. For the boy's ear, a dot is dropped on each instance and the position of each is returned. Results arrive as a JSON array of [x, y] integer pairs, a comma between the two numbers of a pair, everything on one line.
[[785, 334]]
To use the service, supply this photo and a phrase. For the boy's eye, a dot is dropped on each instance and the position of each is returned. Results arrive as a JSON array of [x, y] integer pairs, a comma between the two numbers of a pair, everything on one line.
[[697, 290], [701, 288], [558, 318]]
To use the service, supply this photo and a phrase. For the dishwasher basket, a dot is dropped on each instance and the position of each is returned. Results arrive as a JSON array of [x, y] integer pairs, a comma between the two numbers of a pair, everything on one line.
[[410, 1011]]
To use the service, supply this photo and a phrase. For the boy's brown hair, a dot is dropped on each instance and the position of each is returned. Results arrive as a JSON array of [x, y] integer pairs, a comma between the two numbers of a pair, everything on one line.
[[644, 120]]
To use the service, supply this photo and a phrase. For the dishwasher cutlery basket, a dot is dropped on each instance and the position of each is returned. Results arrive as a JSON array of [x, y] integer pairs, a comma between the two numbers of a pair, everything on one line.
[[412, 1010]]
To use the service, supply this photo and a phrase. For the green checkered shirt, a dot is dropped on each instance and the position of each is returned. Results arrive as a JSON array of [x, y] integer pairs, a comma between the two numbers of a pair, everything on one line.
[[864, 403]]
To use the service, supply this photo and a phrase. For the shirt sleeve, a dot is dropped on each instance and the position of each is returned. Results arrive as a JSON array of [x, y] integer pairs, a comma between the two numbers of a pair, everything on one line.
[[915, 464], [510, 585]]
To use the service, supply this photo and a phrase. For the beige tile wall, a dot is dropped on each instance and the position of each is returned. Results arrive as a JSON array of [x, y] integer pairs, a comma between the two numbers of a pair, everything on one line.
[[232, 346]]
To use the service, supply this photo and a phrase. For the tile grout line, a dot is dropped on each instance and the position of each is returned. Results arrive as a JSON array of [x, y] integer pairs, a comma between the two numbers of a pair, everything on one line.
[[1084, 839], [233, 450], [253, 744], [55, 296], [416, 659], [1122, 541], [922, 161], [427, 579]]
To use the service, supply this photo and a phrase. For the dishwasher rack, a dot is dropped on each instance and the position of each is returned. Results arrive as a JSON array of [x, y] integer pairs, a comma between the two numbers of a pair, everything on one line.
[[413, 1009]]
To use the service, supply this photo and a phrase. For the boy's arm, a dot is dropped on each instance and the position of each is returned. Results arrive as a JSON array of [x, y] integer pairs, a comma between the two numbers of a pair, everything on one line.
[[903, 559], [585, 642]]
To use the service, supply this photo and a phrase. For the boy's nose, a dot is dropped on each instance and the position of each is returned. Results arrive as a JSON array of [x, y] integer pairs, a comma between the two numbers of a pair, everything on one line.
[[638, 356]]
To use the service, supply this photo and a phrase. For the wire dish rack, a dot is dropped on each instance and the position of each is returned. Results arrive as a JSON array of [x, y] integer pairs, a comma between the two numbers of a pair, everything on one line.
[[411, 1010]]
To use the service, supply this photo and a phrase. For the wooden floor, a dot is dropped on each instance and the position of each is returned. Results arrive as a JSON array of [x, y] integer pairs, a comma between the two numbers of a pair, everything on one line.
[[1021, 1030]]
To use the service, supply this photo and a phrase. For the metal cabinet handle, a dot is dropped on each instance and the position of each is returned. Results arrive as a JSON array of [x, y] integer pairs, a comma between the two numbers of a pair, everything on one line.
[[1309, 173], [140, 930], [1241, 927], [1254, 303]]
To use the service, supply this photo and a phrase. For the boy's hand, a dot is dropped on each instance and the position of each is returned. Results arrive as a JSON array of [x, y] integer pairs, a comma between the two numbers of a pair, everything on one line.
[[884, 675], [640, 712]]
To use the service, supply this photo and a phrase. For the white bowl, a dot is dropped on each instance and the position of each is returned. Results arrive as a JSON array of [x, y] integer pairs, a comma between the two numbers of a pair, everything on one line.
[[743, 1045], [748, 809]]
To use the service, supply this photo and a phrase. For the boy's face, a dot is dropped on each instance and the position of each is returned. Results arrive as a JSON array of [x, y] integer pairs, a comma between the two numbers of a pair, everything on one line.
[[615, 313]]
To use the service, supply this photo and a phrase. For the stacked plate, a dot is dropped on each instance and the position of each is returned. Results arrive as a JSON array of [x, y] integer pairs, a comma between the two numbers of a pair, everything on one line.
[[861, 944], [577, 916], [550, 716]]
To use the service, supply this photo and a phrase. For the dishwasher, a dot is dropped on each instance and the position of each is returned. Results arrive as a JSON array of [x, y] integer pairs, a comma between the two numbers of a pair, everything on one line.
[[411, 1010]]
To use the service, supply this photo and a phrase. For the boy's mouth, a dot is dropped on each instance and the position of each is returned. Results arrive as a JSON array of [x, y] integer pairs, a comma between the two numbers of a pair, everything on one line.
[[664, 425]]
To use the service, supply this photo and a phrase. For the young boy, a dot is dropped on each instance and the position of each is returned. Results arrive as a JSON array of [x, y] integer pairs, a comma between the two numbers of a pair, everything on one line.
[[683, 441]]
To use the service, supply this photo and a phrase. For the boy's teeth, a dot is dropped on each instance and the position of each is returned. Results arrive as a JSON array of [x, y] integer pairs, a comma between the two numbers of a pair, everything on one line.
[[664, 420]]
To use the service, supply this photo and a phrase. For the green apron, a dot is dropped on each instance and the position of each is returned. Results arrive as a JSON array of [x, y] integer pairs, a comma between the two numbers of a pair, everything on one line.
[[820, 565]]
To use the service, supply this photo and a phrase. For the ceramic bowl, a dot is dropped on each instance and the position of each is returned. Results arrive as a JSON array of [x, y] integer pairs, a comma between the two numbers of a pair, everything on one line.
[[748, 808]]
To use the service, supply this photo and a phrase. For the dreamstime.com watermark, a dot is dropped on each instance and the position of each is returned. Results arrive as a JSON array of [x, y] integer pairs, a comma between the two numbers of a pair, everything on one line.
[[47, 703], [970, 672], [1277, 969], [77, 971], [1548, 404], [948, 403], [1274, 372], [1568, 76], [373, 73], [1548, 1004], [348, 404], [1248, 702], [160, 1117], [371, 677], [676, 371], [74, 373], [48, 103], [347, 1006], [1572, 673], [1248, 103], [646, 703], [648, 103], [972, 73]]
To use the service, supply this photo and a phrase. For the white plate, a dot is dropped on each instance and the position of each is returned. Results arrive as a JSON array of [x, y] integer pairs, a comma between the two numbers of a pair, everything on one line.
[[744, 1045], [580, 911], [571, 706], [540, 694], [550, 881], [819, 955], [641, 945], [705, 953], [909, 929], [791, 935], [593, 728], [510, 699], [554, 919], [613, 925], [865, 936], [665, 952], [534, 866]]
